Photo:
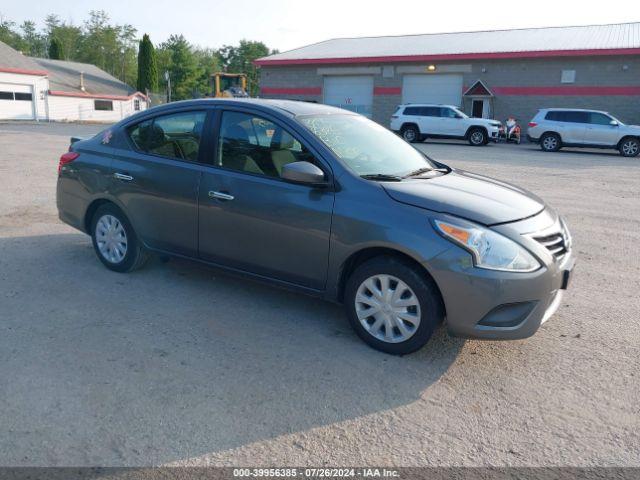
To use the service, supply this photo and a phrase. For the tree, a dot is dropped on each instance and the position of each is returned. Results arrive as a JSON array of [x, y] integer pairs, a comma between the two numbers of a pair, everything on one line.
[[182, 66], [8, 34], [56, 49], [34, 43], [147, 66]]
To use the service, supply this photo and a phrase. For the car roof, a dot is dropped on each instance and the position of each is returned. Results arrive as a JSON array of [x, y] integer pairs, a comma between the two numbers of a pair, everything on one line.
[[291, 107], [427, 105], [571, 110]]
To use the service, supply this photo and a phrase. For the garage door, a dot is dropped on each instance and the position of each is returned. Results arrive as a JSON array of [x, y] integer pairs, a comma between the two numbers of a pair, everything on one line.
[[353, 93], [445, 89], [16, 102]]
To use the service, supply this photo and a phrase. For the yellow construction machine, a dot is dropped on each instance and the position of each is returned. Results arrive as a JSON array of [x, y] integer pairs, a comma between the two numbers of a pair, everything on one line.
[[229, 85]]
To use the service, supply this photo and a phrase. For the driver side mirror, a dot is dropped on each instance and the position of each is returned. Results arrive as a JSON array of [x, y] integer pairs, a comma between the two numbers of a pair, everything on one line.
[[458, 115], [304, 172], [614, 123]]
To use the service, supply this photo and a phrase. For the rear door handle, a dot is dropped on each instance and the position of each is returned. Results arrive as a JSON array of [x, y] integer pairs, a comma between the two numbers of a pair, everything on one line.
[[220, 195], [122, 176]]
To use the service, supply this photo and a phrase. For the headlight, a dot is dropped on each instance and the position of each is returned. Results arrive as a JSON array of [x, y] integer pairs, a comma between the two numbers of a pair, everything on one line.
[[489, 249]]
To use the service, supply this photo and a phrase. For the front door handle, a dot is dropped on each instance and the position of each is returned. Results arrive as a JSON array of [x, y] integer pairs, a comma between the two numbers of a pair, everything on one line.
[[220, 195], [123, 176]]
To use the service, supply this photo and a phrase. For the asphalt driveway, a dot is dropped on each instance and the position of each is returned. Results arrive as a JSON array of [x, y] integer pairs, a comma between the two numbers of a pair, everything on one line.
[[180, 364]]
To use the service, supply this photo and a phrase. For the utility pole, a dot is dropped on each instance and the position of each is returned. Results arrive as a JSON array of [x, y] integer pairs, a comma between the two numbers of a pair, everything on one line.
[[168, 79]]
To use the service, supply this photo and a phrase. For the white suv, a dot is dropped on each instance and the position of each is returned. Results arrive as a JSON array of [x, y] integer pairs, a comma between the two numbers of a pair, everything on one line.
[[555, 128], [415, 122]]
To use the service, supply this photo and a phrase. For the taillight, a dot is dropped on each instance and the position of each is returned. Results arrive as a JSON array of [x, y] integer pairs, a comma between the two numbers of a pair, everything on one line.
[[67, 158], [533, 124]]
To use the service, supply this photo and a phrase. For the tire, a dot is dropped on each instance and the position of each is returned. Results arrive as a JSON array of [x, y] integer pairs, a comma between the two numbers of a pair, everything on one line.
[[411, 134], [115, 241], [477, 137], [550, 142], [419, 298], [629, 147]]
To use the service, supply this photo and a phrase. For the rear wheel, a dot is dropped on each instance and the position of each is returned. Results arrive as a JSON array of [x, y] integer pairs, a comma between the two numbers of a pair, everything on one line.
[[411, 133], [629, 147], [392, 306], [550, 142], [477, 137], [114, 240]]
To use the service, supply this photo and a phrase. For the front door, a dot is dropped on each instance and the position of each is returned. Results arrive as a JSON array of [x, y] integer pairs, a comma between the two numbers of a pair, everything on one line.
[[477, 109], [600, 131], [251, 219], [157, 182]]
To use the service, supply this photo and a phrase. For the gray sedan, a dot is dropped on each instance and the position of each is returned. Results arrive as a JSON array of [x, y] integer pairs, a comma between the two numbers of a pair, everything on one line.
[[326, 202]]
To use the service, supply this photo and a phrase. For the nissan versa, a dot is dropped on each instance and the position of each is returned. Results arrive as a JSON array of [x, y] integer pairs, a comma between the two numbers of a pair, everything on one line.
[[327, 202]]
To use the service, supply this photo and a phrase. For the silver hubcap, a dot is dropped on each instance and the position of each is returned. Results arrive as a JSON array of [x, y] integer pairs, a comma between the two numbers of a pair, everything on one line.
[[477, 137], [409, 135], [387, 308], [630, 148], [111, 238], [550, 143]]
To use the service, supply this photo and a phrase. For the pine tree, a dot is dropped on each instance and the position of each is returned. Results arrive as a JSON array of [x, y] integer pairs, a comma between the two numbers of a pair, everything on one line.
[[147, 66], [56, 50]]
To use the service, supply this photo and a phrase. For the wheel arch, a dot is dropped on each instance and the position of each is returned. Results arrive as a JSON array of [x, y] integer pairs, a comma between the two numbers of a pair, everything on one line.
[[635, 137], [93, 207], [476, 127], [409, 124], [550, 132], [363, 255]]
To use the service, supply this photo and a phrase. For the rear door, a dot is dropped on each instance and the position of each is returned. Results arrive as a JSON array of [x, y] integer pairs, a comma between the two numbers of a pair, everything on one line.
[[253, 220], [571, 125], [157, 180], [429, 120]]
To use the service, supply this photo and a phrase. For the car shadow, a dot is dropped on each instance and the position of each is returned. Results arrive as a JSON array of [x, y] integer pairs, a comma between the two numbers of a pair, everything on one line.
[[176, 360]]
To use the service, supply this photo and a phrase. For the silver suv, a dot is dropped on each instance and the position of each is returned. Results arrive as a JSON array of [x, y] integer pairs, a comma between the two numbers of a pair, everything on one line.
[[555, 128]]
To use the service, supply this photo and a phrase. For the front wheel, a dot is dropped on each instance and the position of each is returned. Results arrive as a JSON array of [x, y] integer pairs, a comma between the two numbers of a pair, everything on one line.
[[392, 306], [114, 240], [629, 147], [477, 137]]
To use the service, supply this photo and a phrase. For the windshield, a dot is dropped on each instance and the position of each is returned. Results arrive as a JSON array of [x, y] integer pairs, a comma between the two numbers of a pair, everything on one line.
[[366, 147]]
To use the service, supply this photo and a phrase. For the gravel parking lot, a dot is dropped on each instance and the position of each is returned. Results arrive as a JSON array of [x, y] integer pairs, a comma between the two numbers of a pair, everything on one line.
[[180, 364]]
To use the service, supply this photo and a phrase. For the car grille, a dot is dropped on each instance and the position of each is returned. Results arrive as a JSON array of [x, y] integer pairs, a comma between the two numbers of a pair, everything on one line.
[[556, 243]]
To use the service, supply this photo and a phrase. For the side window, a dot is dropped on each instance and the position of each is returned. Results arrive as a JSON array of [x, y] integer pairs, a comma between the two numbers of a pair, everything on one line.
[[577, 117], [568, 116], [599, 119], [430, 111], [173, 136], [447, 113], [256, 145], [412, 111]]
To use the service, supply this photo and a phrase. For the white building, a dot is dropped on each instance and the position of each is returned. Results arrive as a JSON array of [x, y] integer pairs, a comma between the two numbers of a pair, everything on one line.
[[42, 89]]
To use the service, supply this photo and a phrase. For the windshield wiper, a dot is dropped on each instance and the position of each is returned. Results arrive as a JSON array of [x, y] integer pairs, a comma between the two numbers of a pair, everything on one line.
[[382, 177], [420, 171]]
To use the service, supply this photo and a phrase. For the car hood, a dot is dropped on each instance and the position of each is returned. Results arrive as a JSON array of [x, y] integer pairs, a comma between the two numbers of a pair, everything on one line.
[[633, 129], [465, 194]]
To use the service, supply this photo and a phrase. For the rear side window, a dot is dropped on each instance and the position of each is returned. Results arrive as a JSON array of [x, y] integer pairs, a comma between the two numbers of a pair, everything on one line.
[[568, 116], [412, 111], [175, 136]]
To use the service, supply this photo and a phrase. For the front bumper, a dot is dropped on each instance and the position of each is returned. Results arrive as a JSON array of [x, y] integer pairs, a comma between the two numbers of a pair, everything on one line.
[[497, 305]]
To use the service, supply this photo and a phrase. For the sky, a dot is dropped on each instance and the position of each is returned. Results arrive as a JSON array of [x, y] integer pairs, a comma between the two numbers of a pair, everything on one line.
[[287, 24]]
